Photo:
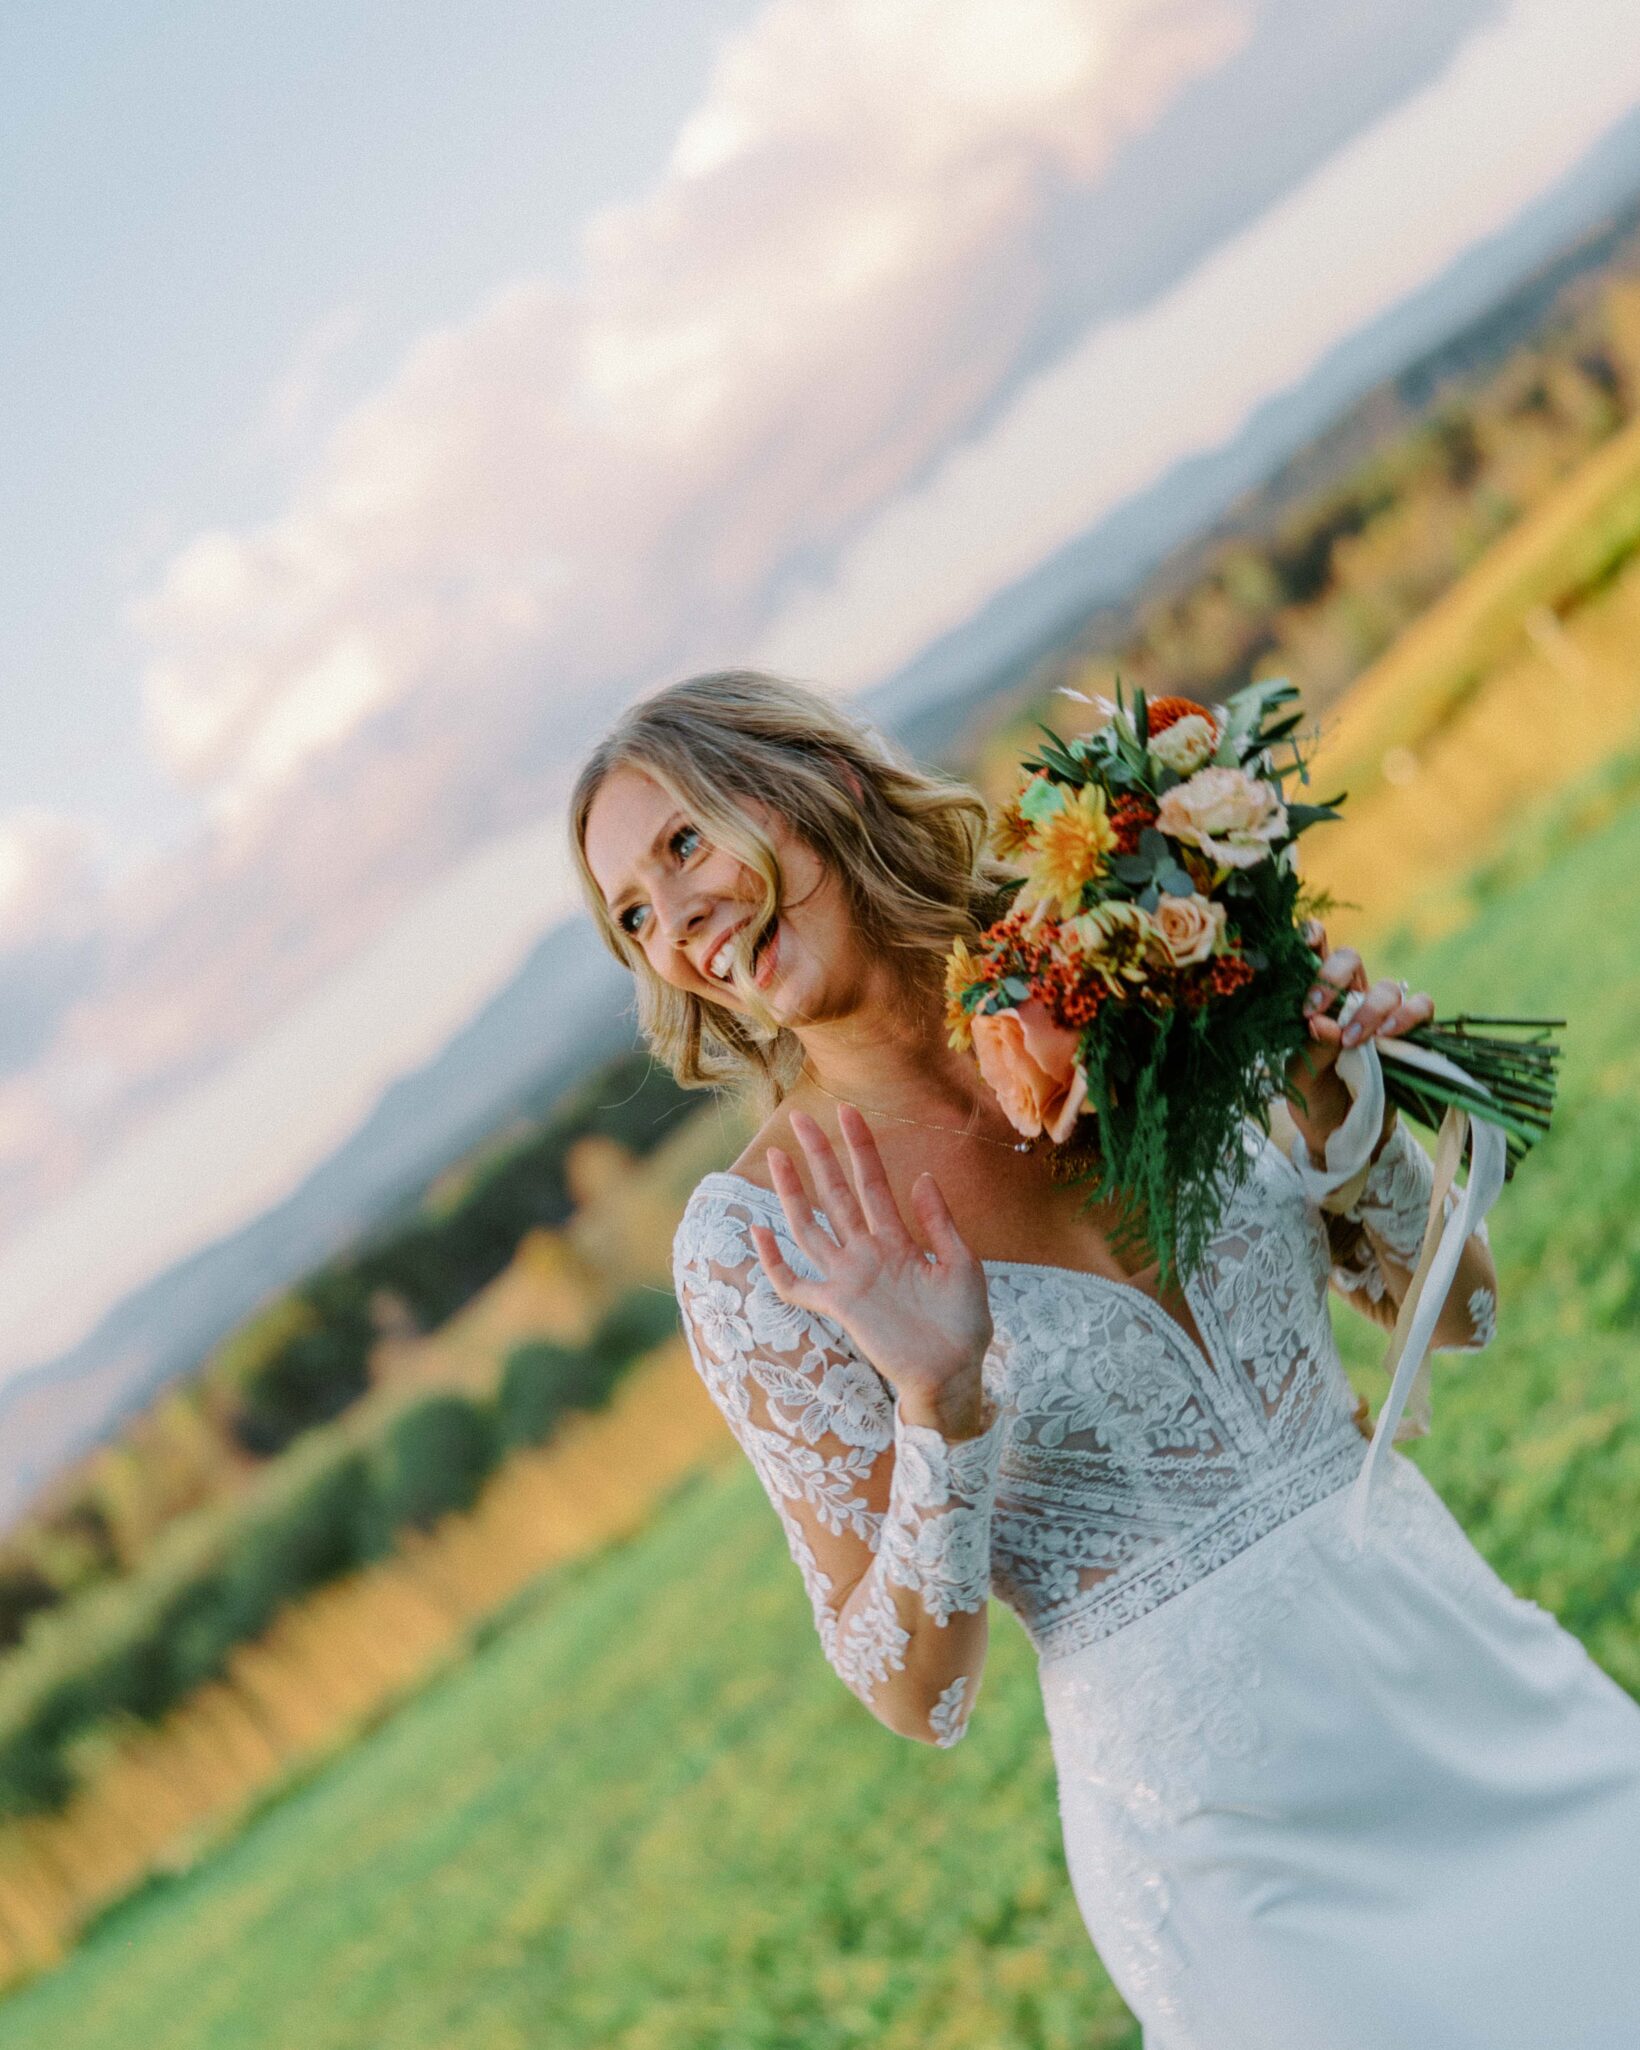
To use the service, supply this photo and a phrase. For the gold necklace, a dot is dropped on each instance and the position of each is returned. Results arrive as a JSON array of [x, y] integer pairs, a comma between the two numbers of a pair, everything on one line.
[[894, 1117]]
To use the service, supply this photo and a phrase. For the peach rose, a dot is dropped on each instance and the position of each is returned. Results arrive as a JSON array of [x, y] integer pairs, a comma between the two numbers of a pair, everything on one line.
[[1030, 1064], [1226, 813], [1190, 928]]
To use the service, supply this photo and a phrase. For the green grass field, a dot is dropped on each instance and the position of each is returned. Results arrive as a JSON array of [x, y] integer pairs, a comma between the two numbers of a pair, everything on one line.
[[645, 1816]]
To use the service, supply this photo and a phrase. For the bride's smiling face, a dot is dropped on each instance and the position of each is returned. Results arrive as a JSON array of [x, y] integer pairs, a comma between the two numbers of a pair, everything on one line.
[[681, 900]]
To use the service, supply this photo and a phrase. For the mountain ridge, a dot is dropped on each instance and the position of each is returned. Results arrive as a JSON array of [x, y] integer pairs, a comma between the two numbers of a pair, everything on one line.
[[500, 1063]]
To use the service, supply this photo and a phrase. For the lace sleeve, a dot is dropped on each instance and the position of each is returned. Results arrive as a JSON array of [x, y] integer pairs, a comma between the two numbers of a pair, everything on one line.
[[888, 1522], [1388, 1216]]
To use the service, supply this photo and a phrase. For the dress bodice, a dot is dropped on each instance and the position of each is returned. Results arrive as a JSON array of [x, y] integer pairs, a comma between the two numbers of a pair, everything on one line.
[[1131, 1463], [1135, 1464]]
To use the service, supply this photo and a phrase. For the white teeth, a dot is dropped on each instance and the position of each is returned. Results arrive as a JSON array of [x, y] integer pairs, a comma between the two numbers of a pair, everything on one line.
[[719, 965]]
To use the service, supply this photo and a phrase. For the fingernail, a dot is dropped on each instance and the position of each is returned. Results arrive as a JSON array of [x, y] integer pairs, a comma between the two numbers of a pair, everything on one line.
[[1350, 1034], [1316, 996]]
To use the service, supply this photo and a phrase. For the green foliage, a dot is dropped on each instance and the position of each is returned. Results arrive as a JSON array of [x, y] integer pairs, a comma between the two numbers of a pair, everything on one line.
[[539, 1384], [24, 1591], [646, 1816], [432, 1459], [143, 1644], [542, 1382], [306, 1359], [636, 1323], [1171, 1095], [146, 1643], [440, 1258], [1301, 560], [321, 1368]]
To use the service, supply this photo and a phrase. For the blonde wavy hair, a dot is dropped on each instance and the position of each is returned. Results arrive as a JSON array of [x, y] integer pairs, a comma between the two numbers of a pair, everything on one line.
[[907, 845]]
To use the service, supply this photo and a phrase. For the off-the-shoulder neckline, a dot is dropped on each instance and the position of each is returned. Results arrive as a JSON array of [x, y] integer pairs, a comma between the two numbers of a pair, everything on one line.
[[1081, 1274]]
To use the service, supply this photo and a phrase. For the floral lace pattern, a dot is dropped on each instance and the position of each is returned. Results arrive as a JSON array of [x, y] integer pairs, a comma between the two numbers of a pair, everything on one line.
[[936, 1537], [1124, 1464], [948, 1718], [870, 1503], [1394, 1206], [1131, 1731], [1394, 1200]]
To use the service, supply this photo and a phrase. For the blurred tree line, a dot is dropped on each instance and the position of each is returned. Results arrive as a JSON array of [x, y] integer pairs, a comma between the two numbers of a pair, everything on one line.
[[343, 1505], [1315, 573], [305, 1359], [309, 1357]]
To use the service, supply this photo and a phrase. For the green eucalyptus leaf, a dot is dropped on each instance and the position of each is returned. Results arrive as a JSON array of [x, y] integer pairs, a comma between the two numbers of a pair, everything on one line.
[[1041, 800]]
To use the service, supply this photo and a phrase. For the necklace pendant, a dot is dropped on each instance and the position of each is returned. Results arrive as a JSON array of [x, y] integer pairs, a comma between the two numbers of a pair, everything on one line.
[[1022, 1146]]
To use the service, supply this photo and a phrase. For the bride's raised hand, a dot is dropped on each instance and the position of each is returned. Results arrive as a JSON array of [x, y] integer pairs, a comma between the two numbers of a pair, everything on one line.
[[923, 1323]]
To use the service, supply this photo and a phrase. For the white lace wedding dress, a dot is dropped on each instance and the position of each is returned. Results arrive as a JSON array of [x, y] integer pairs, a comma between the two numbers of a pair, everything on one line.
[[1323, 1786]]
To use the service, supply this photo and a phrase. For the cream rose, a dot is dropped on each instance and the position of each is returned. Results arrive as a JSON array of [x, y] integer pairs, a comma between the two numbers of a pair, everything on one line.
[[1030, 1064], [1229, 815], [1187, 744], [1189, 927]]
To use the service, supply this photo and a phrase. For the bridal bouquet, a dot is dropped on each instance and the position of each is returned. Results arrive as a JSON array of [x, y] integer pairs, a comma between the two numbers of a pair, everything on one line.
[[1150, 974]]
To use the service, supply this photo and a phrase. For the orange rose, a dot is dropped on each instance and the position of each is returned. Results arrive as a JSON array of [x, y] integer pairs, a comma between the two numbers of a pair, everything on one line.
[[1030, 1064]]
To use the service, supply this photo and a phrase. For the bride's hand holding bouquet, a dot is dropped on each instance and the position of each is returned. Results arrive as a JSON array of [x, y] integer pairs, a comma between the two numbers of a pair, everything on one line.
[[1154, 983]]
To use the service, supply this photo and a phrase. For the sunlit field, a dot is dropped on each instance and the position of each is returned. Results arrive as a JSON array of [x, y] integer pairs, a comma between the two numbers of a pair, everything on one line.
[[577, 1837], [646, 1816]]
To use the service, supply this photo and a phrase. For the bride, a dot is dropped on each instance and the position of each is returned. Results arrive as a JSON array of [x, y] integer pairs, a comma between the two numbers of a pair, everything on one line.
[[1324, 1785]]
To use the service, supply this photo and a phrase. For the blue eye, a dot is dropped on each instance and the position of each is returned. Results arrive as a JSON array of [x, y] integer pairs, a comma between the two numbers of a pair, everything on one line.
[[682, 844]]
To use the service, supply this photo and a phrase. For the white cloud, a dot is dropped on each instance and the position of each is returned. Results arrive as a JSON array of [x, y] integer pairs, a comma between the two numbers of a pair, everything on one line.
[[241, 1137], [1454, 163], [580, 486], [47, 878], [763, 366], [299, 394], [827, 284]]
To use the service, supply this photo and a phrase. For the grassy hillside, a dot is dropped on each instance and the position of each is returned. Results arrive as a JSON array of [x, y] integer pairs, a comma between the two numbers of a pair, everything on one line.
[[562, 1865], [646, 1817]]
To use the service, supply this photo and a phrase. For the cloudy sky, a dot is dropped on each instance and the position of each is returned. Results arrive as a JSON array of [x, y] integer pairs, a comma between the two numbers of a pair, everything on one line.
[[388, 391]]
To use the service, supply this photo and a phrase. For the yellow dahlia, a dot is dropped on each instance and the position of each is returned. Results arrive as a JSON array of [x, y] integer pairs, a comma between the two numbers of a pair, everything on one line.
[[1071, 844], [961, 969], [1012, 833]]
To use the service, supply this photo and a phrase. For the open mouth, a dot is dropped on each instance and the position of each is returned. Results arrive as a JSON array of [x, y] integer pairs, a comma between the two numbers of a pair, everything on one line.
[[721, 965]]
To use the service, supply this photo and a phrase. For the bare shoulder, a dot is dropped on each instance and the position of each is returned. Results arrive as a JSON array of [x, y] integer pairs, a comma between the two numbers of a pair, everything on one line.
[[752, 1164]]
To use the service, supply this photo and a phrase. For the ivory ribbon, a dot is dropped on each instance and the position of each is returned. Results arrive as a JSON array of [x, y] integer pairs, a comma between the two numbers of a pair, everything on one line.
[[1347, 1152]]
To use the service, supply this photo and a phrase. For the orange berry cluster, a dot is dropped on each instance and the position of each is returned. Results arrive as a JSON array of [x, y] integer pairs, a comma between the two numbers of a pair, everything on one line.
[[1070, 989], [1224, 974], [1129, 816]]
